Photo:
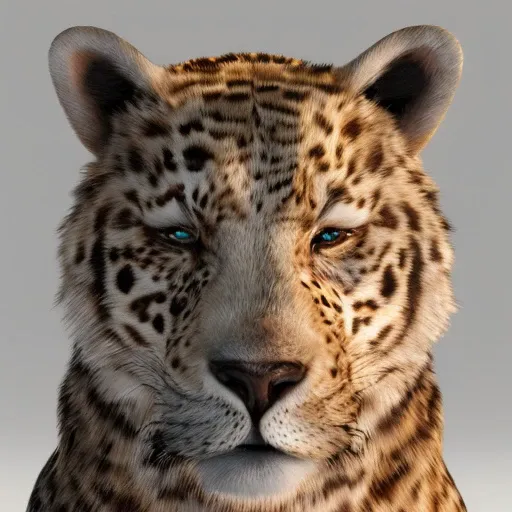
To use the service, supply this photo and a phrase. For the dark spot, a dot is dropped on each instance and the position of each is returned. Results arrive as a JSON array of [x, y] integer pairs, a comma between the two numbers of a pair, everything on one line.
[[376, 197], [155, 129], [412, 217], [382, 335], [352, 129], [339, 151], [175, 191], [101, 218], [386, 172], [159, 298], [135, 335], [128, 253], [133, 197], [351, 167], [217, 116], [435, 253], [135, 160], [322, 166], [196, 157], [446, 225], [178, 304], [414, 287], [371, 304], [325, 302], [114, 254], [211, 96], [266, 88], [158, 323], [293, 95], [375, 159], [317, 151], [240, 83], [402, 258], [195, 124], [169, 162], [323, 123], [237, 97], [141, 305], [389, 284], [175, 363], [125, 279], [387, 218]]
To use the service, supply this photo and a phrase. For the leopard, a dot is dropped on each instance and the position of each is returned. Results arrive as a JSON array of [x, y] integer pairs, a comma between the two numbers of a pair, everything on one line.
[[255, 271]]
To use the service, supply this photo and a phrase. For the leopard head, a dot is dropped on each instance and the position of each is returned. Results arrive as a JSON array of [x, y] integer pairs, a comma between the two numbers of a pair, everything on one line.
[[255, 265]]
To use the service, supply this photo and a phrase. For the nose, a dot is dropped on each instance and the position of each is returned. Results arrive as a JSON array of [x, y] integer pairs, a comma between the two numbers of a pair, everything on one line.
[[258, 385]]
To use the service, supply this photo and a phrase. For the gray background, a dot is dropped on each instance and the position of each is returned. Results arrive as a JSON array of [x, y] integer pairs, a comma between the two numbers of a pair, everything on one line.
[[41, 158]]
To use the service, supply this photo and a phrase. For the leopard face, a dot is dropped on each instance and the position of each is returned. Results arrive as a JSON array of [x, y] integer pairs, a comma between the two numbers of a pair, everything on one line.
[[255, 265]]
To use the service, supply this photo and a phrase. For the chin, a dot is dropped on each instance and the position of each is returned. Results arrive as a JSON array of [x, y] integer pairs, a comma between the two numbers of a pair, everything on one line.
[[253, 472]]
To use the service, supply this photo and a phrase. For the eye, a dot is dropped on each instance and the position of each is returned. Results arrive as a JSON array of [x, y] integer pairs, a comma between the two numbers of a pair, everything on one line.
[[179, 235], [328, 237]]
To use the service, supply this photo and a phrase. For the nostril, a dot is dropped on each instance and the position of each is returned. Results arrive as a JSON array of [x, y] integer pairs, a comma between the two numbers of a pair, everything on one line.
[[280, 386], [234, 380], [279, 390], [236, 385]]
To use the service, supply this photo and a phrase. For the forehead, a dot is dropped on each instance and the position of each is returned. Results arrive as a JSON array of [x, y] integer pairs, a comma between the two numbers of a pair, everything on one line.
[[254, 132]]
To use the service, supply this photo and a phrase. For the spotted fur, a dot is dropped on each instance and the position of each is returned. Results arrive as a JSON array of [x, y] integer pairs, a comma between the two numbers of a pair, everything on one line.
[[255, 153]]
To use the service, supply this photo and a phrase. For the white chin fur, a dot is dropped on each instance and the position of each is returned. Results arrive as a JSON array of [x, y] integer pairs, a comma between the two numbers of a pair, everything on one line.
[[253, 474]]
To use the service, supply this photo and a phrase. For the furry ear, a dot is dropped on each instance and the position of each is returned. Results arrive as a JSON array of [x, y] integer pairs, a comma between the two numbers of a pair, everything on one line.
[[413, 74], [95, 73]]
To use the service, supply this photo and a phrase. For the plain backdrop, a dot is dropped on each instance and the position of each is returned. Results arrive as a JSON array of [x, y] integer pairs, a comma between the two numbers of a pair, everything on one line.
[[469, 157]]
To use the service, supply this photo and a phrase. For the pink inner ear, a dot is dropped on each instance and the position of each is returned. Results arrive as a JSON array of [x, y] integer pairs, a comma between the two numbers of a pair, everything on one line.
[[86, 118], [78, 62]]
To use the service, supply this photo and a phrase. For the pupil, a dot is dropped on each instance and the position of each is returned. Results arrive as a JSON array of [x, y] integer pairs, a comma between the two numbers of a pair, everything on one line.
[[180, 234]]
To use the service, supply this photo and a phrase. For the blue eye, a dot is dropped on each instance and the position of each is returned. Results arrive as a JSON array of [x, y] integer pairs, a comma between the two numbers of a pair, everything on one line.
[[331, 236], [179, 235]]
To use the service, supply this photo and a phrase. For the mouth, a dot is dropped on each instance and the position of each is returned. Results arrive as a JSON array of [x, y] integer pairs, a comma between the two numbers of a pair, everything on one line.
[[257, 448], [254, 443], [253, 469]]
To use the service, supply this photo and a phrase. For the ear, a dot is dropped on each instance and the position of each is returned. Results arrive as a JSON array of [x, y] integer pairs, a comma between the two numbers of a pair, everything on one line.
[[95, 73], [413, 74]]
